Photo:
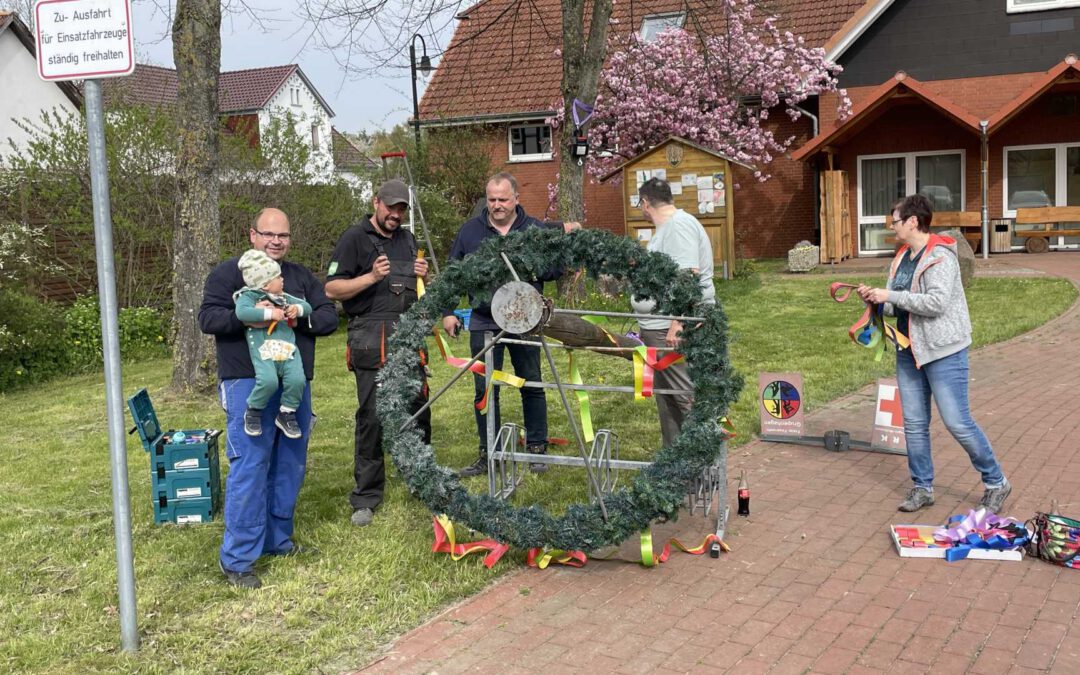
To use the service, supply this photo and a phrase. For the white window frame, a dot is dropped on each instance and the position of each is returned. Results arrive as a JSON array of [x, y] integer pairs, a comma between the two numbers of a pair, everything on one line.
[[294, 96], [511, 158], [316, 136], [1012, 7], [1060, 183], [681, 16], [909, 186]]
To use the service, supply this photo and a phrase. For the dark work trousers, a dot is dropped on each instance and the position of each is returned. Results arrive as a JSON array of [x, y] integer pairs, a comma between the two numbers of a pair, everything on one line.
[[672, 408], [369, 469], [526, 361]]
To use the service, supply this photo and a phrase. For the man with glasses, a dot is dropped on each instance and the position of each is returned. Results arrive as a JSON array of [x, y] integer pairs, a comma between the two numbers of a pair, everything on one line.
[[373, 272], [265, 472]]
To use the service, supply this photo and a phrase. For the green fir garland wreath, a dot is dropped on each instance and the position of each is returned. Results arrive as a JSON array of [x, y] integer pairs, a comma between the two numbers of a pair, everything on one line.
[[655, 492]]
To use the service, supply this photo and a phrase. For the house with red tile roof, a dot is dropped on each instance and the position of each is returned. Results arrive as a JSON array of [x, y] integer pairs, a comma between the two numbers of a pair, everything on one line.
[[25, 95], [923, 75], [248, 100]]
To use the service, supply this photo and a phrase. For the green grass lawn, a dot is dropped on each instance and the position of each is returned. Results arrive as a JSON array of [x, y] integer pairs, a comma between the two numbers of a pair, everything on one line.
[[332, 611]]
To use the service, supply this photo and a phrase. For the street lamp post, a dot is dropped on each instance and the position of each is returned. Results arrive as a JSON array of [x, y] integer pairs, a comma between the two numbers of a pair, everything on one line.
[[425, 68]]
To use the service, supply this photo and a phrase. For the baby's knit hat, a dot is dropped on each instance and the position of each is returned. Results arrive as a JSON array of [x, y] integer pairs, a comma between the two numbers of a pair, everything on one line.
[[258, 268]]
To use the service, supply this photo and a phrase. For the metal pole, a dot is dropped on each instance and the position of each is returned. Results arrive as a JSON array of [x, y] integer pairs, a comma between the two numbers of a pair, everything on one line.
[[574, 428], [984, 162], [415, 100], [103, 247], [492, 392], [457, 376]]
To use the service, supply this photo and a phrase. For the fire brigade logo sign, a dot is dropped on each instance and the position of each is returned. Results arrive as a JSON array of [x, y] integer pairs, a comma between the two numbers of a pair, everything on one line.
[[780, 406], [888, 432]]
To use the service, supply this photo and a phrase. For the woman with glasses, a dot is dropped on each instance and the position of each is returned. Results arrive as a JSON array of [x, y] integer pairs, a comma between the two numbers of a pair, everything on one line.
[[925, 294]]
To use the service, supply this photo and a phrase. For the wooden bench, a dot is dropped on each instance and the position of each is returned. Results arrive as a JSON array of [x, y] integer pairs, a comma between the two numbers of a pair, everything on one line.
[[1053, 220], [968, 222]]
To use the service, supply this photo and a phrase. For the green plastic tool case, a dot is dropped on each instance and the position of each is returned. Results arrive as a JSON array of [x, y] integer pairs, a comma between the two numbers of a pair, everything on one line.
[[185, 473]]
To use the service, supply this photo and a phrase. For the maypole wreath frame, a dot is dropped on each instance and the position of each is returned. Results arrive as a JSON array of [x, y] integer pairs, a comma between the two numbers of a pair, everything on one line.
[[655, 492]]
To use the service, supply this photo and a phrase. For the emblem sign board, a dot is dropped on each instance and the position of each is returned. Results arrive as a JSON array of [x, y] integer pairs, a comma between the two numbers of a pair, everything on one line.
[[83, 39], [780, 404], [888, 431]]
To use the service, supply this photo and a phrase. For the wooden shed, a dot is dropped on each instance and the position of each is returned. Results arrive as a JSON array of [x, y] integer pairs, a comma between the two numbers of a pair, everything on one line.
[[701, 185]]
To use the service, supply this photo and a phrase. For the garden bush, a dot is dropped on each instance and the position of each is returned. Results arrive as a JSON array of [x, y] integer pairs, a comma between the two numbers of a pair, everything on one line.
[[141, 332], [39, 340], [29, 350]]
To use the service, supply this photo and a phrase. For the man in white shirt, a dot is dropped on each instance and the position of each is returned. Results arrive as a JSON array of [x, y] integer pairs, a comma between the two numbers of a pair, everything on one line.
[[682, 237]]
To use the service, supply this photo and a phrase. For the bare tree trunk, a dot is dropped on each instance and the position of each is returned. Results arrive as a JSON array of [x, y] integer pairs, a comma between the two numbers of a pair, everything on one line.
[[583, 58], [577, 332], [196, 239]]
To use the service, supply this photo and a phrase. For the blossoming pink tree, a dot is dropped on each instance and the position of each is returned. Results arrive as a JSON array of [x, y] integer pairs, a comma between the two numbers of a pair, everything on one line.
[[716, 90]]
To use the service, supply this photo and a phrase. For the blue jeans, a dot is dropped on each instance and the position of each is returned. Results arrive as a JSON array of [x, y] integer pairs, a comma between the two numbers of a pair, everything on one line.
[[265, 475], [526, 361], [946, 380]]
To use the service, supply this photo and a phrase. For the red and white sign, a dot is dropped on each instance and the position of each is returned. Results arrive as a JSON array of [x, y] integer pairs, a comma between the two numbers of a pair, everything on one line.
[[83, 39], [888, 432]]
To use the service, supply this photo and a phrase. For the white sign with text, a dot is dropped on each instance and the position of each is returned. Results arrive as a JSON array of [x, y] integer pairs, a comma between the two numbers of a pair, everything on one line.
[[83, 39]]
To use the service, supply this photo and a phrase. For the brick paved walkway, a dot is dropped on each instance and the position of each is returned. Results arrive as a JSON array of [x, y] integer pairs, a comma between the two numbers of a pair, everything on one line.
[[813, 583]]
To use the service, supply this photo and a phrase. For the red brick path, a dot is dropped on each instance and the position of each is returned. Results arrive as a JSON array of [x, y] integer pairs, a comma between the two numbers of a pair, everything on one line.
[[813, 583]]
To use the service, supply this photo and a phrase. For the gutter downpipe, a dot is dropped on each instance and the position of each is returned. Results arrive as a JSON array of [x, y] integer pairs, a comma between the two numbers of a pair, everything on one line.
[[817, 170], [985, 180]]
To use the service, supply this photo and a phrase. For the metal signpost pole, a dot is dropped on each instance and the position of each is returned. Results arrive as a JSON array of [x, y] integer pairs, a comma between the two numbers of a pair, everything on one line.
[[89, 40], [103, 247]]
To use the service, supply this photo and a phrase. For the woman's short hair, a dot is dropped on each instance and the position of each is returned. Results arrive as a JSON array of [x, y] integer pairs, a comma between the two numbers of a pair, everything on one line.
[[916, 205]]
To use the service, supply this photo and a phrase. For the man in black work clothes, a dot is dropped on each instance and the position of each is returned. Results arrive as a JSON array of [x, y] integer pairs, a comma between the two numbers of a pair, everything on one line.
[[265, 472], [502, 216], [373, 273]]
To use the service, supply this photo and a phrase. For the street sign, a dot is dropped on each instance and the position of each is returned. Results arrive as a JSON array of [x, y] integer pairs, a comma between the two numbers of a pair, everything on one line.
[[83, 39], [888, 430]]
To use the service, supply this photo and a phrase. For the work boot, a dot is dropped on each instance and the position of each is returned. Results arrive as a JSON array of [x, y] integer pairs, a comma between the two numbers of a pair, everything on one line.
[[537, 449], [994, 498], [241, 579], [917, 498], [296, 550], [477, 468], [362, 517], [253, 422], [286, 421]]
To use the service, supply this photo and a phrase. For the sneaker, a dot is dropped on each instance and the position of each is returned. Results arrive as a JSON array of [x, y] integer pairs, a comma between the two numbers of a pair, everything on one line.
[[994, 498], [537, 467], [477, 468], [253, 422], [916, 499], [362, 517], [241, 579], [286, 421]]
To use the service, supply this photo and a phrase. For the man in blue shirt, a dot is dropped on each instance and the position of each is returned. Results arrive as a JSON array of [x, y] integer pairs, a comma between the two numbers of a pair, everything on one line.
[[503, 215]]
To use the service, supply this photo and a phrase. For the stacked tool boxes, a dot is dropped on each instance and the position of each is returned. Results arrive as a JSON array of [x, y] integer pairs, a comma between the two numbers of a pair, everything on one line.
[[185, 476]]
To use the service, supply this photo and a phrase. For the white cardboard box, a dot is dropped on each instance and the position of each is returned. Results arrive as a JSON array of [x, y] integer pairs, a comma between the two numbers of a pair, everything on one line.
[[928, 530]]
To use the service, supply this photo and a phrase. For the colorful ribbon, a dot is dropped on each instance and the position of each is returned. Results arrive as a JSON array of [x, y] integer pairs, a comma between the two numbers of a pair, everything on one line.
[[646, 363], [979, 529], [541, 558], [419, 279], [476, 368], [871, 330], [445, 543], [584, 409]]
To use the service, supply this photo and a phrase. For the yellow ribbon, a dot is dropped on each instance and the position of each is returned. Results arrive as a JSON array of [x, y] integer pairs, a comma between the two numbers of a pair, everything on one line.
[[584, 409]]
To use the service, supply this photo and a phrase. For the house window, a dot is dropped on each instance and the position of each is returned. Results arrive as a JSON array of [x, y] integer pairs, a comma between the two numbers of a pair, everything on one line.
[[885, 179], [1036, 5], [530, 142], [315, 135], [654, 24], [1041, 175], [294, 95]]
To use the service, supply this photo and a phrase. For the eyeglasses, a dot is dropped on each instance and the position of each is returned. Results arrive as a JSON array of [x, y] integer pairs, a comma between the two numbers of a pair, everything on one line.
[[896, 221], [282, 236]]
